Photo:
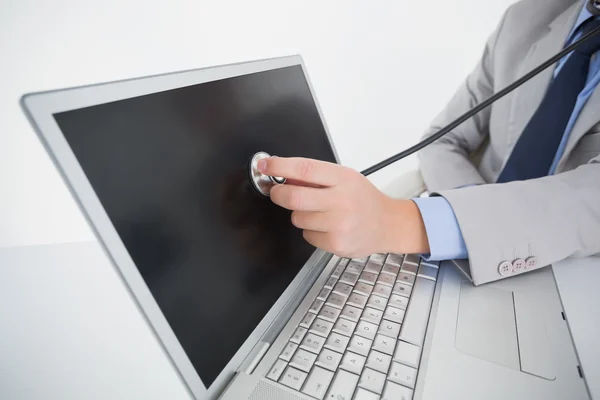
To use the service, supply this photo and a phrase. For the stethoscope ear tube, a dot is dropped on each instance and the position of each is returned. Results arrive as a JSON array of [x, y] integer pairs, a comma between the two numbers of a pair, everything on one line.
[[595, 4], [263, 183]]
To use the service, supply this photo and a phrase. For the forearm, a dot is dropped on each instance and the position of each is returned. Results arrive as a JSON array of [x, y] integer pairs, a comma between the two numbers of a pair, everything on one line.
[[445, 165], [550, 218], [447, 162]]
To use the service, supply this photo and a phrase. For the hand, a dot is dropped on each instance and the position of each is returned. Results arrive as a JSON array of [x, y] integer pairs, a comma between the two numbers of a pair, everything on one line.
[[342, 212]]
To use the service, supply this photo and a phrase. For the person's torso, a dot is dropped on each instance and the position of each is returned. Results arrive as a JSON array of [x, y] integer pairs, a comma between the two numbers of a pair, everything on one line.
[[532, 32]]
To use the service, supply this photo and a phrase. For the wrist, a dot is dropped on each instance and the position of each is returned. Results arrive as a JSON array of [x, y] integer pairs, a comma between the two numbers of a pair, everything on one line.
[[404, 228]]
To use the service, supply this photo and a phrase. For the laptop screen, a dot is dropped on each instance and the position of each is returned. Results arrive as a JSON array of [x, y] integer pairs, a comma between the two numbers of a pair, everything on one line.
[[170, 169]]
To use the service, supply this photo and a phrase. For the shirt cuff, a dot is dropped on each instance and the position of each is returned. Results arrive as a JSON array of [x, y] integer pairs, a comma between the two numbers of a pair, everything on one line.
[[446, 241]]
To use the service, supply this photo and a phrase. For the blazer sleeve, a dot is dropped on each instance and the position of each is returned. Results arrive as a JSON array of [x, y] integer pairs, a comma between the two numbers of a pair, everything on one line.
[[445, 163], [549, 218]]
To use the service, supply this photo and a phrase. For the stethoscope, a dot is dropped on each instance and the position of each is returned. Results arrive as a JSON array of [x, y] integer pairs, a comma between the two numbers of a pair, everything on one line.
[[263, 183]]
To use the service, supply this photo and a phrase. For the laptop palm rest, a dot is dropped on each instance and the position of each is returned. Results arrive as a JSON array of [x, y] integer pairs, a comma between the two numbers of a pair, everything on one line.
[[504, 327]]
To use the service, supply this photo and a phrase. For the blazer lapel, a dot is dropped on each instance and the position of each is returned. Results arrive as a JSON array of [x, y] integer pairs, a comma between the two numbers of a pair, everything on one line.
[[530, 95], [589, 116]]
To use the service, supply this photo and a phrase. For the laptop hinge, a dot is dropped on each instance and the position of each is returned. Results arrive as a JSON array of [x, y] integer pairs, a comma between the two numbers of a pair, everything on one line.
[[290, 307], [258, 352], [261, 348]]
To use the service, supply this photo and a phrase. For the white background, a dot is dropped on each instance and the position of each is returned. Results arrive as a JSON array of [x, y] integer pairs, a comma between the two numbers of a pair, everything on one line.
[[381, 70]]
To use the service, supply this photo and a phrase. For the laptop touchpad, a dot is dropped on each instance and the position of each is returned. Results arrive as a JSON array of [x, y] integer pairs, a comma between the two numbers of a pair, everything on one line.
[[486, 325], [503, 327]]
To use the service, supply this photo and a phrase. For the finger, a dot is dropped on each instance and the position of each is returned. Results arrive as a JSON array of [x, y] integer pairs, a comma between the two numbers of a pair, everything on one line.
[[312, 221], [301, 198], [317, 239], [296, 182], [301, 169]]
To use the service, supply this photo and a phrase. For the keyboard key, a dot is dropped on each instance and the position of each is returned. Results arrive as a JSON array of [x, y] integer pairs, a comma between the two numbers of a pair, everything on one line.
[[372, 315], [360, 345], [288, 351], [398, 301], [368, 277], [338, 271], [307, 320], [329, 359], [349, 278], [393, 391], [363, 288], [351, 313], [427, 271], [390, 269], [343, 262], [303, 360], [373, 267], [298, 335], [408, 279], [330, 283], [342, 289], [412, 259], [377, 302], [353, 362], [382, 290], [337, 342], [293, 378], [362, 394], [407, 354], [403, 375], [390, 329], [366, 329], [316, 306], [372, 380], [386, 279], [344, 327], [323, 294], [394, 314], [379, 361], [360, 260], [402, 289], [384, 344], [409, 268], [276, 370], [417, 313], [343, 386], [378, 258], [357, 300], [312, 343], [355, 268], [395, 259], [329, 313], [336, 300], [321, 327], [317, 383]]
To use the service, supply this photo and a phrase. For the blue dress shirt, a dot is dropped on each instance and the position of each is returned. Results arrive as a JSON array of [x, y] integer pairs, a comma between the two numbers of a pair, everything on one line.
[[446, 241]]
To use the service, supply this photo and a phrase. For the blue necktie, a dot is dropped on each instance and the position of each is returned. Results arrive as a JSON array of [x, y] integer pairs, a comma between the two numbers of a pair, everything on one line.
[[536, 148]]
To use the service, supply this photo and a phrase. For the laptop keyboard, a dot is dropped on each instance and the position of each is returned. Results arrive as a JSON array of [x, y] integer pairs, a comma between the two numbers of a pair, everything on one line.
[[361, 339]]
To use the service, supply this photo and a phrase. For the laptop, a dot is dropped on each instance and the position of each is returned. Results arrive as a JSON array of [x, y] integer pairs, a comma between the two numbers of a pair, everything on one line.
[[243, 306]]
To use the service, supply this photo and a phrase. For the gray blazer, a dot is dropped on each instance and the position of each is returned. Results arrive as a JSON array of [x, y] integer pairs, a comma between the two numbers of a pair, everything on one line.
[[550, 218]]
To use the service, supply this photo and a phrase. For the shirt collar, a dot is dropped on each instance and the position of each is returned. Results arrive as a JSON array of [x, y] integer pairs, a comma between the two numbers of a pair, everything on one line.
[[584, 15]]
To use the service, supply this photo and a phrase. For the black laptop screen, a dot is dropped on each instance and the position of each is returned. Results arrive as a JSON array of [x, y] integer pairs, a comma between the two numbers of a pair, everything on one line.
[[170, 169]]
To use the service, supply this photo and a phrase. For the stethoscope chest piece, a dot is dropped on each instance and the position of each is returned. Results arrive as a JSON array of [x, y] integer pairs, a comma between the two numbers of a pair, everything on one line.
[[261, 182]]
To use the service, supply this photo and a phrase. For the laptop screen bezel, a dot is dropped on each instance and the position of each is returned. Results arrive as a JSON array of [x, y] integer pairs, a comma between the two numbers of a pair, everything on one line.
[[40, 109]]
